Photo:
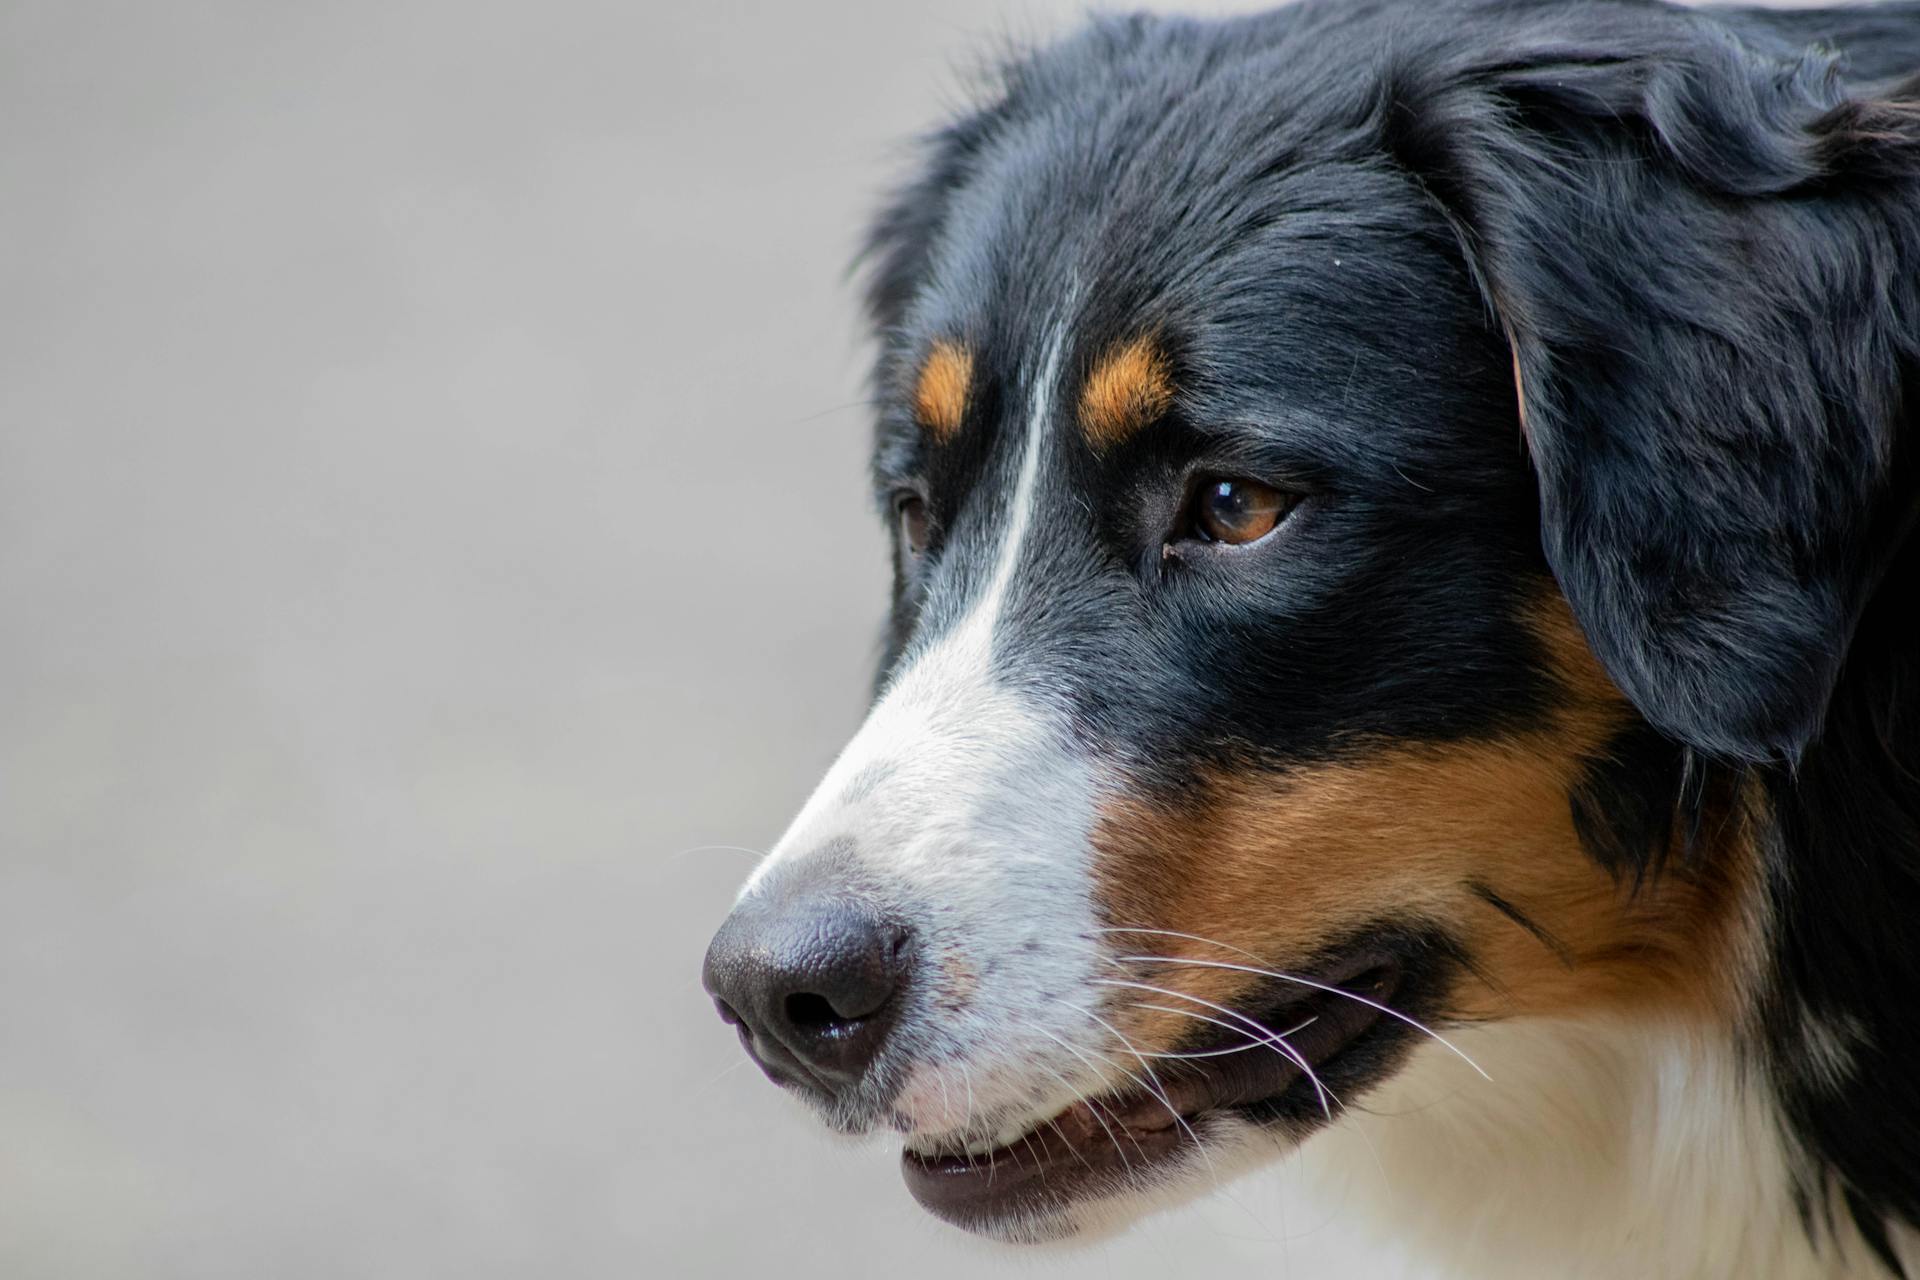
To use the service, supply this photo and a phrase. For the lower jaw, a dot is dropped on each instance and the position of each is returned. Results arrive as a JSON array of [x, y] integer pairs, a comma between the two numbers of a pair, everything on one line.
[[1024, 1190], [1114, 1145], [1049, 1169]]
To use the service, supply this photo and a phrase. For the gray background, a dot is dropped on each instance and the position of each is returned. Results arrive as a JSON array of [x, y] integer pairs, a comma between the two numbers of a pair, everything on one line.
[[431, 520]]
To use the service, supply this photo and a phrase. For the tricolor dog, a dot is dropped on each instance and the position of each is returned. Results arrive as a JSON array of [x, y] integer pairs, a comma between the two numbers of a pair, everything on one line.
[[1405, 649]]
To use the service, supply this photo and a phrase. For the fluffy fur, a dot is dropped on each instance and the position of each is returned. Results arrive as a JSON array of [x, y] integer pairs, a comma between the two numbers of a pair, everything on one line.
[[1581, 679]]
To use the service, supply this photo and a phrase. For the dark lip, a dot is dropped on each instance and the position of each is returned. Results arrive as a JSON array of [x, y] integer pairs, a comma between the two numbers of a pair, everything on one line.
[[1134, 1138]]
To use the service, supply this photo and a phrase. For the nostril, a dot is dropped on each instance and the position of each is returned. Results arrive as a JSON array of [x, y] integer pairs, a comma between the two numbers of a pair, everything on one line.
[[812, 986], [816, 1014]]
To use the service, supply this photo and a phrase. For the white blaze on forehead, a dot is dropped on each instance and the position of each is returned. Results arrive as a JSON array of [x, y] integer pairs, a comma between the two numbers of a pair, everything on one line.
[[944, 717], [964, 802], [986, 614]]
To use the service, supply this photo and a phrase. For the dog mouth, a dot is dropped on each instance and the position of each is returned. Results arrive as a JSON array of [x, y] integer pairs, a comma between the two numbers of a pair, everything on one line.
[[1277, 1065]]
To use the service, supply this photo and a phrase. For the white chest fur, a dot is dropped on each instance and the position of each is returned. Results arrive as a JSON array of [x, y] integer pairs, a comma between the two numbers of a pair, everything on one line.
[[1599, 1150]]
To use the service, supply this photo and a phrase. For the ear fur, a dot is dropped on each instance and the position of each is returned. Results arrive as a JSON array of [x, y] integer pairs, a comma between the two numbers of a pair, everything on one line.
[[1707, 259]]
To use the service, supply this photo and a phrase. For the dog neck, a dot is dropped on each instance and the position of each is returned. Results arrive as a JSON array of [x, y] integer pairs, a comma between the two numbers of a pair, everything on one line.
[[1600, 1149]]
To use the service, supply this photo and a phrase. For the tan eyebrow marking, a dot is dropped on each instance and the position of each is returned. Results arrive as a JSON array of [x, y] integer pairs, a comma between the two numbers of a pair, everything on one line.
[[940, 394], [1129, 388]]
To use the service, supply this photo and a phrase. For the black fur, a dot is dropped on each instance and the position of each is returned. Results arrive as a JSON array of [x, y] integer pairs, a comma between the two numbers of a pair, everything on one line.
[[1698, 235]]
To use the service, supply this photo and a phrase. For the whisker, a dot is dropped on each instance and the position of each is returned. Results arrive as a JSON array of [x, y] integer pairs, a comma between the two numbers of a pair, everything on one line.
[[946, 1102], [1055, 1125], [1281, 1046], [1156, 1055], [1286, 977], [1344, 1106], [838, 408], [1071, 1150], [1079, 1096], [1260, 1031], [716, 848], [1286, 1050], [713, 1082], [1156, 1089], [966, 1077], [1038, 1163]]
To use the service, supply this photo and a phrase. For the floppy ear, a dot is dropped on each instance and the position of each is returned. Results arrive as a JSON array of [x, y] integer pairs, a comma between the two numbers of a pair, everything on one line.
[[899, 242], [1708, 264]]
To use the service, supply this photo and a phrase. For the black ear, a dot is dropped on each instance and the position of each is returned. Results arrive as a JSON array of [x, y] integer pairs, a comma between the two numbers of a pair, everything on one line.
[[896, 254], [1707, 259]]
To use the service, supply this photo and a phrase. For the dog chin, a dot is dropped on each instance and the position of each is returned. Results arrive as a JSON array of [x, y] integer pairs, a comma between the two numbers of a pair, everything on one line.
[[1230, 1149]]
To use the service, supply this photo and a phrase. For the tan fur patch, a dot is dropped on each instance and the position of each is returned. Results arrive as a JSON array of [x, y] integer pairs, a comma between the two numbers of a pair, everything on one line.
[[940, 394], [1280, 865], [1520, 392], [958, 984], [1129, 388]]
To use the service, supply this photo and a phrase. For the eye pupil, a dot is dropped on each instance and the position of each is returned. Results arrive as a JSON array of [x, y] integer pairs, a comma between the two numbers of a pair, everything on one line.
[[1228, 499], [1237, 511]]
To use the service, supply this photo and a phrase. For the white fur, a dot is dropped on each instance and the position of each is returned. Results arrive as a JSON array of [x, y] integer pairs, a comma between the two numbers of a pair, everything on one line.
[[1600, 1150], [966, 801], [1827, 1048]]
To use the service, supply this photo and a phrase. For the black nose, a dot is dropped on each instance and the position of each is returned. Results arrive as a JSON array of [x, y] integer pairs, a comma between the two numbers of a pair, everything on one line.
[[811, 983]]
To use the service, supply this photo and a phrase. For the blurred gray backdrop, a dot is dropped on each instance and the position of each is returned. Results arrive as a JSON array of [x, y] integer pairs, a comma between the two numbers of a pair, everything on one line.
[[433, 546]]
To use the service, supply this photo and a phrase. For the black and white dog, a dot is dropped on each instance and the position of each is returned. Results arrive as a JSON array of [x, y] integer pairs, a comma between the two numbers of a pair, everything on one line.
[[1406, 624]]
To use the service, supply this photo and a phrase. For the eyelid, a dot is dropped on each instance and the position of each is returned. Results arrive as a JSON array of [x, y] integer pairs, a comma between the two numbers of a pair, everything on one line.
[[917, 540], [1201, 479], [898, 492], [1288, 474], [1248, 449]]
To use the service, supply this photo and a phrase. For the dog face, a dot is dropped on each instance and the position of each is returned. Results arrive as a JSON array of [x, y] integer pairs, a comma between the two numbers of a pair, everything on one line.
[[1236, 731]]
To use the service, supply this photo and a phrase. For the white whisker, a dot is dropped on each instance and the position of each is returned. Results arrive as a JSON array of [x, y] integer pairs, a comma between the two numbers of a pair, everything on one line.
[[1261, 1032], [946, 1102], [1344, 1105], [966, 1078], [1286, 1050], [1156, 1089], [717, 848], [1285, 977], [1197, 1054], [1081, 1097], [1281, 1046]]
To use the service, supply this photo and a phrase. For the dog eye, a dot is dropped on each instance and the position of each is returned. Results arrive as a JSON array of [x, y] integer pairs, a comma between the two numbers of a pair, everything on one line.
[[910, 510], [1237, 511]]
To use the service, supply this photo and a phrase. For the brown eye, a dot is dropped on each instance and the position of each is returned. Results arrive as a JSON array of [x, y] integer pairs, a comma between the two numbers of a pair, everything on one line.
[[1237, 511], [911, 510]]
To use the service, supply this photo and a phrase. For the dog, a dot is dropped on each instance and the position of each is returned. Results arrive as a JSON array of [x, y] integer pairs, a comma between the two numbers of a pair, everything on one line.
[[1404, 644]]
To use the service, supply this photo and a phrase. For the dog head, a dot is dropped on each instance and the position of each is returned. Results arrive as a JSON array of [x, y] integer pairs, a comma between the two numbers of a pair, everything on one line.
[[1348, 472]]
